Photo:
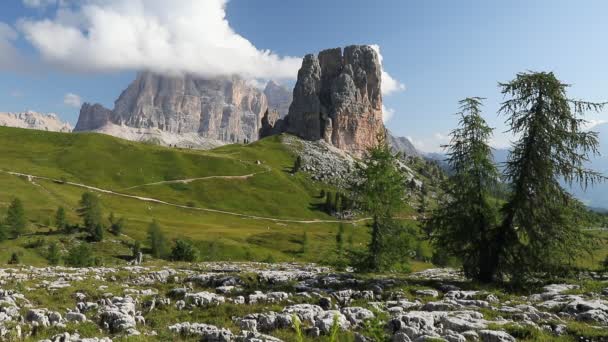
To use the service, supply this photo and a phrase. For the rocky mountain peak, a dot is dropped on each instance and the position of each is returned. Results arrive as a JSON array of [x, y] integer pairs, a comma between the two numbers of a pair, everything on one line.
[[34, 120], [338, 98], [176, 109], [279, 97]]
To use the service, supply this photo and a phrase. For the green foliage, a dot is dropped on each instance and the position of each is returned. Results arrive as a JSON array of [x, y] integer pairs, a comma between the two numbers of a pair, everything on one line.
[[53, 254], [90, 212], [97, 235], [334, 330], [116, 225], [297, 165], [542, 228], [80, 255], [3, 231], [297, 325], [379, 190], [15, 259], [136, 248], [305, 243], [15, 219], [157, 241], [60, 219], [464, 223], [184, 250]]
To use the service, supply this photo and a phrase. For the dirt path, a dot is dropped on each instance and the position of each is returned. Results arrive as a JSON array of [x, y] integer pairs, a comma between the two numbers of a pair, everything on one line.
[[190, 180], [157, 201]]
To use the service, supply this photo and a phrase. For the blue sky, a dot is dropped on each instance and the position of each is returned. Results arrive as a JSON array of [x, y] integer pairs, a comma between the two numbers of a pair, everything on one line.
[[442, 51]]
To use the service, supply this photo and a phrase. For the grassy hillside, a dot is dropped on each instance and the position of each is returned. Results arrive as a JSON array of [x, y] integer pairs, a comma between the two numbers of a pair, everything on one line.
[[125, 167]]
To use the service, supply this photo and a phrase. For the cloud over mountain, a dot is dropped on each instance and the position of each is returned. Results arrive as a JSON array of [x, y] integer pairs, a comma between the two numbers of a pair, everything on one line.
[[179, 36]]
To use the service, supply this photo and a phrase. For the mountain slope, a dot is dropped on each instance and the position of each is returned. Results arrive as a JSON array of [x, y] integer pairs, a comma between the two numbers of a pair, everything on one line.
[[118, 165]]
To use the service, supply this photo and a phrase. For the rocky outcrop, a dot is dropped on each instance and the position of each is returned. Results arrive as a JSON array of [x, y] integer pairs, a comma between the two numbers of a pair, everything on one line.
[[338, 98], [279, 98], [402, 144], [186, 110], [271, 124], [92, 117], [34, 120]]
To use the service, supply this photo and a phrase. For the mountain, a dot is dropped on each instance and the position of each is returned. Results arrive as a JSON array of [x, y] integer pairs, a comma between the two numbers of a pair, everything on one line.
[[337, 98], [279, 98], [403, 145], [185, 110], [33, 120]]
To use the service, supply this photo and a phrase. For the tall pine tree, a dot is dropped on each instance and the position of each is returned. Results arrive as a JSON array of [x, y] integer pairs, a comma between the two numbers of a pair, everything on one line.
[[464, 223], [542, 228], [379, 190], [15, 219], [90, 212]]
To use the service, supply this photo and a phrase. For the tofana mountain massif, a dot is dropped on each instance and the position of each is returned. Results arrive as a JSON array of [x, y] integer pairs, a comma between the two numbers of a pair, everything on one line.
[[227, 206]]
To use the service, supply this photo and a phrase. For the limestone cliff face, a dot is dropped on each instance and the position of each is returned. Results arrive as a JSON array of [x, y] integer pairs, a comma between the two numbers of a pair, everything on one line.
[[226, 109], [279, 98], [92, 117], [221, 110], [338, 98], [34, 120]]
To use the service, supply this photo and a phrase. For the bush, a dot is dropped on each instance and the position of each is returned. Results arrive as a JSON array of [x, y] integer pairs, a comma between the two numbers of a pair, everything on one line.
[[116, 225], [53, 255], [136, 248], [60, 219], [97, 234], [15, 259], [184, 251], [157, 241], [80, 256]]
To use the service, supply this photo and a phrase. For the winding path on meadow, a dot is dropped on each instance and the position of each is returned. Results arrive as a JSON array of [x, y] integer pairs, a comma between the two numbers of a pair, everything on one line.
[[190, 180], [157, 201]]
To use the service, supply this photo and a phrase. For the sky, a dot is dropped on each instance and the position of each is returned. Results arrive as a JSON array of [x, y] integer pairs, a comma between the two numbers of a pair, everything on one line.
[[56, 54]]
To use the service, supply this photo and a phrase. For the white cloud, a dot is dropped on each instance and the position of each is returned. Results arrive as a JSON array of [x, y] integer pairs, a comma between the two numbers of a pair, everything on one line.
[[389, 84], [39, 3], [72, 100], [387, 113], [9, 55], [179, 36], [590, 124], [431, 144]]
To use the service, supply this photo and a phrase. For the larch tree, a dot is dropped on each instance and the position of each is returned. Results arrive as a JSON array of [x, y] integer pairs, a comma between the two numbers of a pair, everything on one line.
[[15, 219], [464, 223], [543, 225], [379, 188]]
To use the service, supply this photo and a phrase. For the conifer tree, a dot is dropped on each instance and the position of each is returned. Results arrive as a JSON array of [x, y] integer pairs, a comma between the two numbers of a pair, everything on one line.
[[15, 219], [157, 241], [379, 190], [90, 212], [542, 228], [464, 223], [60, 219]]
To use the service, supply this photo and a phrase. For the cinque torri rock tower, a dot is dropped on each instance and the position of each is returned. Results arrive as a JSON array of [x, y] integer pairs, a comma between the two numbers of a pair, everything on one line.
[[338, 98]]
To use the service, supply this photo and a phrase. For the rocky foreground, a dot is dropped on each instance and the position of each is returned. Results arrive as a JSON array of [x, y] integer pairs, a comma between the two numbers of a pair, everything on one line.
[[261, 302]]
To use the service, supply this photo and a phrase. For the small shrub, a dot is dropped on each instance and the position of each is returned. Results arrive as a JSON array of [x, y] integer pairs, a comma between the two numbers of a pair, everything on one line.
[[53, 254], [15, 259], [184, 251], [97, 234], [335, 328], [157, 241], [116, 225], [80, 256], [298, 328], [136, 248]]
